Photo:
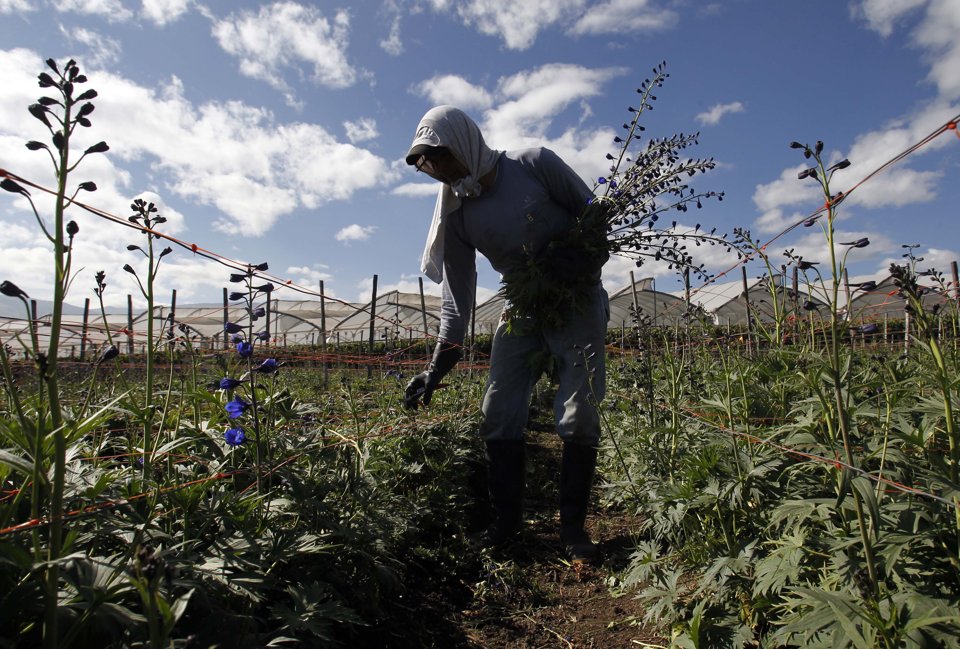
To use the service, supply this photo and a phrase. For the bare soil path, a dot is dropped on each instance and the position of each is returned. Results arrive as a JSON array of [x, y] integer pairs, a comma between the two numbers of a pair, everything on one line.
[[527, 596]]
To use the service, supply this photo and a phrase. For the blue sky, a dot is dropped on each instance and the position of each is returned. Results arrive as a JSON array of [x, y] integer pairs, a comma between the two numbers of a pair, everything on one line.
[[276, 131]]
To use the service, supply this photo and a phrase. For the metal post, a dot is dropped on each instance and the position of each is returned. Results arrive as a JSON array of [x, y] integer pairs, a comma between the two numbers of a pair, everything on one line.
[[84, 331], [130, 323], [423, 312], [373, 316], [746, 306], [956, 281], [226, 319], [173, 311], [268, 313], [323, 336], [906, 331]]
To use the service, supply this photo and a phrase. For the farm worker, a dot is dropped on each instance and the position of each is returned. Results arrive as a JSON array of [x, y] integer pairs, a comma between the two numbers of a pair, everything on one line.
[[503, 203]]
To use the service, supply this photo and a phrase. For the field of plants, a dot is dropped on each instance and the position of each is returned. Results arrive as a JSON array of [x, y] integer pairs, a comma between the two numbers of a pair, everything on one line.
[[802, 490]]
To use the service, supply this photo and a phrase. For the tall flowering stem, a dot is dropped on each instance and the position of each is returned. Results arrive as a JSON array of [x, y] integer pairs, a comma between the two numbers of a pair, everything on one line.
[[245, 348], [146, 215], [60, 113], [822, 174]]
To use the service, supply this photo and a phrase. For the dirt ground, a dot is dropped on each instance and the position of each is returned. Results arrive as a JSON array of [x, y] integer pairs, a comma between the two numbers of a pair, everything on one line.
[[527, 596]]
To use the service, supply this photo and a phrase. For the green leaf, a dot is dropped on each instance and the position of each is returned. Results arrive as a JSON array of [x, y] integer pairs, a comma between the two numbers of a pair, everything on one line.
[[16, 462]]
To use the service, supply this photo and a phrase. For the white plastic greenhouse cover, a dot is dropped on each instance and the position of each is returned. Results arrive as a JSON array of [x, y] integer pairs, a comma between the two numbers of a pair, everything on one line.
[[400, 316]]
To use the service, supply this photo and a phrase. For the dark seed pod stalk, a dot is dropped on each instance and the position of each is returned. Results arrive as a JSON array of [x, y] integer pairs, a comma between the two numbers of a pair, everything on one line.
[[555, 283]]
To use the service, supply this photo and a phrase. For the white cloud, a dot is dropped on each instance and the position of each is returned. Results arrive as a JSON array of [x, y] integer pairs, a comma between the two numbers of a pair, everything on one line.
[[812, 246], [523, 108], [176, 222], [17, 234], [786, 190], [111, 10], [13, 6], [229, 155], [163, 12], [285, 35], [899, 184], [517, 23], [938, 35], [361, 130], [527, 100], [713, 116], [454, 90], [625, 16], [355, 233], [309, 276], [881, 15], [935, 258], [415, 190], [392, 45], [103, 50]]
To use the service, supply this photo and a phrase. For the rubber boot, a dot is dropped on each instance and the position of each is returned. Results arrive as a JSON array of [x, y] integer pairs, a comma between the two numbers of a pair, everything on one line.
[[577, 466], [506, 468]]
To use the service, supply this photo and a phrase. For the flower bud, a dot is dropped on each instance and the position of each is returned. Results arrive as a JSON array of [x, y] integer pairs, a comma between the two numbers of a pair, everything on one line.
[[11, 290]]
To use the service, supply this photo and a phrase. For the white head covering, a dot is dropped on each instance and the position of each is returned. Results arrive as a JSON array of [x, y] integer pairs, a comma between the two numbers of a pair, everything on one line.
[[449, 127]]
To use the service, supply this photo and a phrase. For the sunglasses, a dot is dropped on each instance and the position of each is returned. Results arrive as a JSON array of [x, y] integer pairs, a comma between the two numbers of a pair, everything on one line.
[[431, 165]]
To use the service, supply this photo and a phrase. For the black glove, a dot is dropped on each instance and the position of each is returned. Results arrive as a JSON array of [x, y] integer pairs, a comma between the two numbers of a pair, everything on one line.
[[445, 356]]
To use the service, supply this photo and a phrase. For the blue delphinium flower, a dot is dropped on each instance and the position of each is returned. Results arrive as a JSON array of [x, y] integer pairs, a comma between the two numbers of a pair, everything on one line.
[[232, 328], [245, 349], [227, 383], [869, 328], [264, 336], [236, 407], [268, 365], [234, 436], [236, 295], [236, 338]]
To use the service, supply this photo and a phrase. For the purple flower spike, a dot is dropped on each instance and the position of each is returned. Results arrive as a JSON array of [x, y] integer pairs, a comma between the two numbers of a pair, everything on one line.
[[245, 349]]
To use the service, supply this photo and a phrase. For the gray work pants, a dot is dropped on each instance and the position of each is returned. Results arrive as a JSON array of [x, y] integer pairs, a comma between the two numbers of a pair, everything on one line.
[[579, 358]]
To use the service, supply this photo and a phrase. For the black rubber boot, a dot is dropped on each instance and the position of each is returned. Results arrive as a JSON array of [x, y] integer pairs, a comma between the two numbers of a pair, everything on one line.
[[506, 468], [577, 466]]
